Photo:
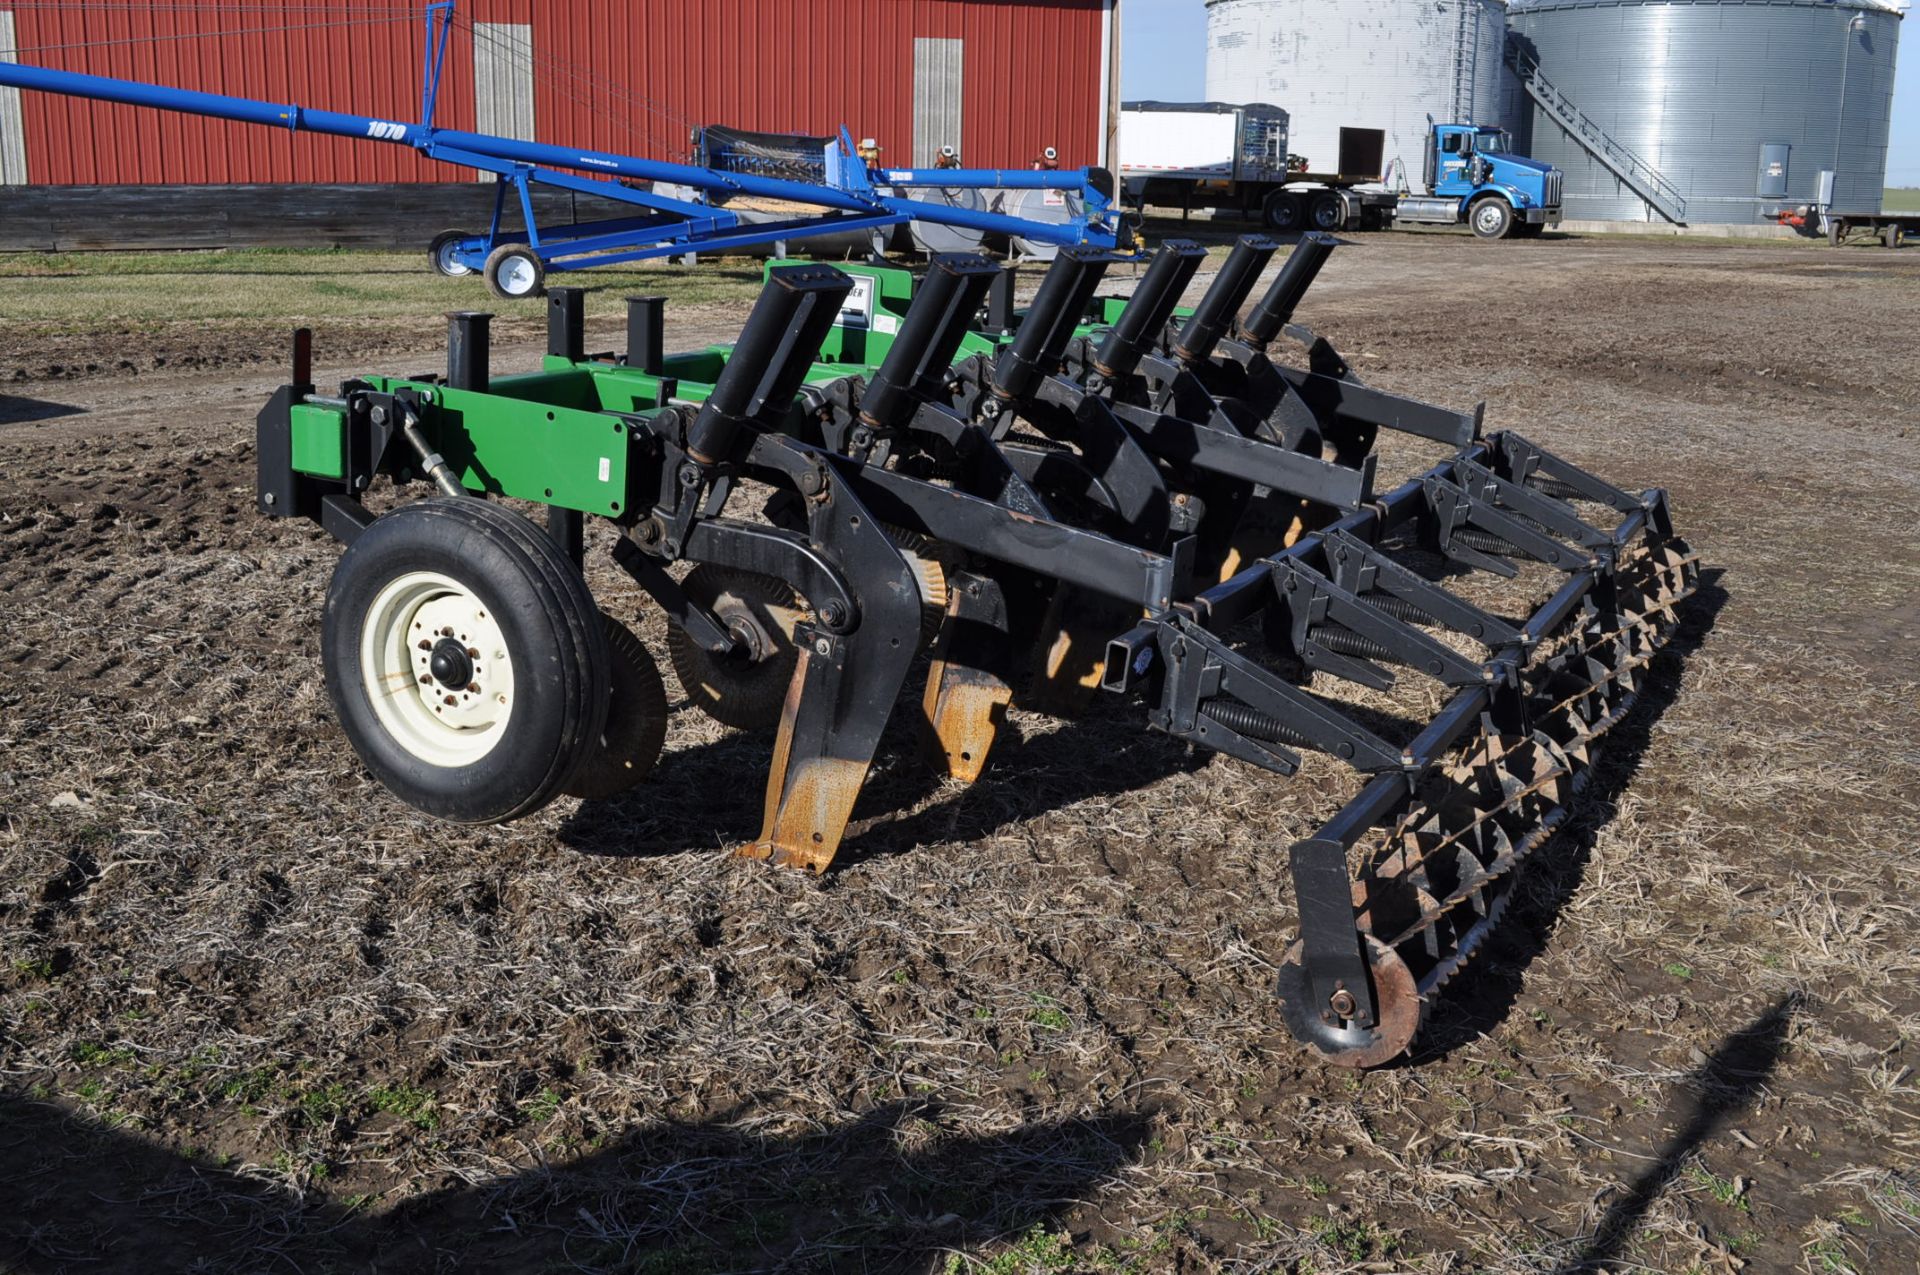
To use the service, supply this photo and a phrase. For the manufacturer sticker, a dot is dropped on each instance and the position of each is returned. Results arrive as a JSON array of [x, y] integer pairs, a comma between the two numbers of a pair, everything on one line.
[[857, 310], [606, 469]]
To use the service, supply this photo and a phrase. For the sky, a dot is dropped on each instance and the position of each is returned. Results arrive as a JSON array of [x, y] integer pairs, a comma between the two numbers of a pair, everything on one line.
[[1163, 54]]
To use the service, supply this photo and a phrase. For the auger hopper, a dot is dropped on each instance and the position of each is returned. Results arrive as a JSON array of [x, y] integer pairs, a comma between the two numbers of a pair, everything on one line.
[[1090, 493]]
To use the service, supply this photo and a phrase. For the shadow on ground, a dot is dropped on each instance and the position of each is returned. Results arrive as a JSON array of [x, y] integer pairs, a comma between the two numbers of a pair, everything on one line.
[[1029, 776], [15, 410], [1480, 1001], [1719, 1089], [892, 1191]]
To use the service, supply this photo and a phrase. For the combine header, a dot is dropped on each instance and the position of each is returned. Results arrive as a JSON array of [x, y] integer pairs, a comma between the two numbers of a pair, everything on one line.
[[831, 192], [1090, 496]]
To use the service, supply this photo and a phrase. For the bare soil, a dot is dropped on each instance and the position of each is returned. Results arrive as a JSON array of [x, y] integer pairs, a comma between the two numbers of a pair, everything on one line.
[[255, 1015]]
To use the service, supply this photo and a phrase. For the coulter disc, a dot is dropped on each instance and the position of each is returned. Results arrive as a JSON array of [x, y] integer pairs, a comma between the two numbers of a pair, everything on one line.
[[747, 688]]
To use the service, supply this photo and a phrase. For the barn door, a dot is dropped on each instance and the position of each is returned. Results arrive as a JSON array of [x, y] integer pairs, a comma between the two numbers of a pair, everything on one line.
[[937, 65]]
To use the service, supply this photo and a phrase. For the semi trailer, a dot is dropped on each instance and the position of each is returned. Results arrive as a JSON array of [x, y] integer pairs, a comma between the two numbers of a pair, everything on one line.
[[1233, 157]]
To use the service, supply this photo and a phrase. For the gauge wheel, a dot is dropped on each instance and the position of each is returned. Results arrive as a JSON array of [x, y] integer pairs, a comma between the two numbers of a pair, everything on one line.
[[514, 272], [1327, 211], [746, 688], [466, 660], [636, 728], [1491, 219], [441, 251], [1282, 213]]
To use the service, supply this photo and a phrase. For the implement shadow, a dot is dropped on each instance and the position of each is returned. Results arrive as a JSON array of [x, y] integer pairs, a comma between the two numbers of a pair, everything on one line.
[[1722, 1087], [15, 410], [715, 790], [1484, 995], [891, 1191]]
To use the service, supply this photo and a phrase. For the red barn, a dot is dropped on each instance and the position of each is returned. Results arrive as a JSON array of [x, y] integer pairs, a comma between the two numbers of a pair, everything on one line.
[[998, 79]]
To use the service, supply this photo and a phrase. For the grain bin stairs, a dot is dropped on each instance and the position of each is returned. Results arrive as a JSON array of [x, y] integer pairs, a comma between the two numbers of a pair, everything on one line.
[[1646, 181]]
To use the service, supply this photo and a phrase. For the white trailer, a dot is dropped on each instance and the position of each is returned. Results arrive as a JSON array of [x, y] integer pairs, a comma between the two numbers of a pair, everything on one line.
[[1233, 156]]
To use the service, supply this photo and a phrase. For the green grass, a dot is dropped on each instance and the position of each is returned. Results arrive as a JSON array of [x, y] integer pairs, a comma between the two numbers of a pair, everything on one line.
[[1902, 199], [91, 291]]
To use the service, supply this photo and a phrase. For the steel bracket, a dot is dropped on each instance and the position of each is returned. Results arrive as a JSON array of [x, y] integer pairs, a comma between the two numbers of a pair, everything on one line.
[[1323, 617]]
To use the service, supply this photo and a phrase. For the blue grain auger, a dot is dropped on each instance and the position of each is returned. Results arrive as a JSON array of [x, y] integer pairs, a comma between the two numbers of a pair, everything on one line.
[[848, 195]]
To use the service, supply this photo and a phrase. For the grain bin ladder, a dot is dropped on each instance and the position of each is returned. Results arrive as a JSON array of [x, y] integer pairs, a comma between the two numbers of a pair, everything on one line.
[[1462, 641], [1639, 176], [516, 262]]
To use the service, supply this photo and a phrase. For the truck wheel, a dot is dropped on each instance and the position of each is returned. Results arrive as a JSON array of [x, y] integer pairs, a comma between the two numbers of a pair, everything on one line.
[[465, 659], [1491, 219], [1327, 211], [1836, 231], [1282, 213], [1892, 236], [513, 272], [440, 252]]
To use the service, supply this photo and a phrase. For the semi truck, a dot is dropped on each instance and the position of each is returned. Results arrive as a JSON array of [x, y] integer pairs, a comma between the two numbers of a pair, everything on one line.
[[1233, 157]]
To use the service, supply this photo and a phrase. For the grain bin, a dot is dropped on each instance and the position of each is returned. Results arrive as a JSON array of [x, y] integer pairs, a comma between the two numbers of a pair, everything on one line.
[[1386, 64], [1738, 106]]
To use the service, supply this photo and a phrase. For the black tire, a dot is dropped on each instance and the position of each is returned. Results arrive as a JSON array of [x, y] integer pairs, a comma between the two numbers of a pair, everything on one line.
[[1327, 211], [519, 583], [515, 272], [745, 693], [442, 262], [636, 728], [1529, 230], [1892, 235], [1282, 212], [1491, 218]]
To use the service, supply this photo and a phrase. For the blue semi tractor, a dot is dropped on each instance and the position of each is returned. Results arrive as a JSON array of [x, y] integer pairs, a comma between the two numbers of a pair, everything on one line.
[[1234, 158]]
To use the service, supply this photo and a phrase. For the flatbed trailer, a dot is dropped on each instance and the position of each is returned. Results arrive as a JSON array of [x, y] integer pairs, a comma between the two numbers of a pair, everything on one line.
[[1890, 228]]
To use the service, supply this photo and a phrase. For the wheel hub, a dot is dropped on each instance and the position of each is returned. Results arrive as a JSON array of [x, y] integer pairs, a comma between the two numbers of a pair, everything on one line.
[[440, 664], [450, 665]]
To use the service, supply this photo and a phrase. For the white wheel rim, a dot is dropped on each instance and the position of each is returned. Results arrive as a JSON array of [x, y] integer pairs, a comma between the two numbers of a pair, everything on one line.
[[517, 276], [438, 724], [449, 264], [1489, 217]]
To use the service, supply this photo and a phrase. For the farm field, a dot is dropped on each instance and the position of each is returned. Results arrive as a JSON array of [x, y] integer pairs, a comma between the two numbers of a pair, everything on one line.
[[256, 1015]]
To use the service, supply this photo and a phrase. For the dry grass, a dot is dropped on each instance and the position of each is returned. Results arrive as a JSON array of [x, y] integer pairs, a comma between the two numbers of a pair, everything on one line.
[[1030, 1025]]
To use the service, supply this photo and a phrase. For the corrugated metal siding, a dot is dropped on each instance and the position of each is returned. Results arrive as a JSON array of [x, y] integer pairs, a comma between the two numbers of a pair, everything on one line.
[[607, 74], [1698, 88], [13, 142], [939, 69], [1385, 64], [503, 79]]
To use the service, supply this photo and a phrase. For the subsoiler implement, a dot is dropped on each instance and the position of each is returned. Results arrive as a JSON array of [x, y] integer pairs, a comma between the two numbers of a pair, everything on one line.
[[1090, 496]]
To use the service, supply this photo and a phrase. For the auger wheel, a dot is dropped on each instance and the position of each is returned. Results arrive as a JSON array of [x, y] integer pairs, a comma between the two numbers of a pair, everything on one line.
[[1400, 1011], [746, 688]]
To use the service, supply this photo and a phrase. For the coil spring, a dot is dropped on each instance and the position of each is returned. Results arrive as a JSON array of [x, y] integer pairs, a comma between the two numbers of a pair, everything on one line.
[[1399, 608], [1489, 544], [1554, 487], [1347, 642], [1251, 721]]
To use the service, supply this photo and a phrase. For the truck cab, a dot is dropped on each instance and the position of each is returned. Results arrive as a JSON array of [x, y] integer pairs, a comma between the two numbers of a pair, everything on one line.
[[1473, 176]]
